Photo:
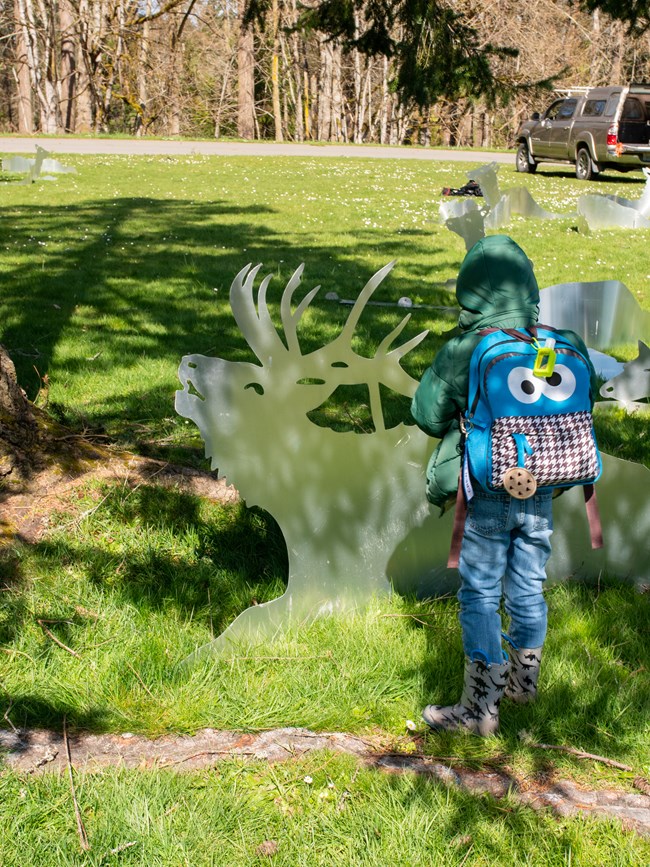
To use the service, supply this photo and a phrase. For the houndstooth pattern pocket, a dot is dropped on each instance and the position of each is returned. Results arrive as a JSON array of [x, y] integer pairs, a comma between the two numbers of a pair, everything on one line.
[[564, 448]]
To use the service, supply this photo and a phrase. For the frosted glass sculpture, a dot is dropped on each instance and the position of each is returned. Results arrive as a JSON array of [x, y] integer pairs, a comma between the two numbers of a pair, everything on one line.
[[603, 313], [351, 506], [339, 498], [633, 383], [466, 218], [605, 366], [605, 212], [502, 205], [36, 168]]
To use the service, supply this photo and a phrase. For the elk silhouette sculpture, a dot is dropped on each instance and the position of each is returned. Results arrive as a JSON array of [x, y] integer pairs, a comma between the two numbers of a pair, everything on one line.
[[351, 506], [342, 500]]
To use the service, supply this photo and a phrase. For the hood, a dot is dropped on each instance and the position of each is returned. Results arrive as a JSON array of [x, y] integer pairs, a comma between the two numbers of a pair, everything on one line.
[[496, 286]]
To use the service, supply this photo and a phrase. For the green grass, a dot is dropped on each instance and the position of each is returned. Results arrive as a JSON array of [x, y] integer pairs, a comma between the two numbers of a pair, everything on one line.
[[151, 574], [120, 264], [347, 815], [108, 279]]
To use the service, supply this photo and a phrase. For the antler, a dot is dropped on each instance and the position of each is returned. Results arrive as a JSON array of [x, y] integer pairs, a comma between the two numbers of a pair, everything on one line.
[[290, 320], [255, 321], [335, 363], [384, 367]]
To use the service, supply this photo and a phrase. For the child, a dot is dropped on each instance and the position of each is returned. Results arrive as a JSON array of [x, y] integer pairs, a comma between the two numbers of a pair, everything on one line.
[[506, 541]]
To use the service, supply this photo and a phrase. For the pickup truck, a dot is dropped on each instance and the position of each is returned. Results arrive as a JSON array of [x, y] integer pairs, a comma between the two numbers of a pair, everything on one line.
[[594, 128]]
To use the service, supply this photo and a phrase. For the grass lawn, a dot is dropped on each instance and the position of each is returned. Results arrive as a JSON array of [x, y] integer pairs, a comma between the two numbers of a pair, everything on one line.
[[109, 277], [112, 275]]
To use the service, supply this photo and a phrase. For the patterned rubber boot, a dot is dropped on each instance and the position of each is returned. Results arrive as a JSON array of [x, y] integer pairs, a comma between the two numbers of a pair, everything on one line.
[[524, 673], [478, 708]]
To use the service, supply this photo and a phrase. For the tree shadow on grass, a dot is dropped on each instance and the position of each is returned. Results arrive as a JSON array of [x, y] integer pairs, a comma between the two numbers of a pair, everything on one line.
[[13, 605], [28, 711], [231, 555], [139, 281], [173, 551], [114, 281], [471, 827], [129, 289], [608, 178]]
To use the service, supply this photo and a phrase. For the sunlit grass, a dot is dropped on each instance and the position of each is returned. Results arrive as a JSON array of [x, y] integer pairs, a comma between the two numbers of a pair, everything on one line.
[[126, 267], [109, 277], [317, 811], [150, 574]]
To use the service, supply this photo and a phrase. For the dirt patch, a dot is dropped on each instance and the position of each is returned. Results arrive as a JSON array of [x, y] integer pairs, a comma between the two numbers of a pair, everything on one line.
[[41, 751], [27, 504]]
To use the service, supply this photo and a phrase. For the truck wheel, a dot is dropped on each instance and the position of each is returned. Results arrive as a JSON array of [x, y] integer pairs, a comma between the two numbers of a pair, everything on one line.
[[586, 169], [523, 162]]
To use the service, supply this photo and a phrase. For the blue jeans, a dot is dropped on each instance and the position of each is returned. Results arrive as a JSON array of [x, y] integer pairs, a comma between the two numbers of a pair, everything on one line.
[[505, 547]]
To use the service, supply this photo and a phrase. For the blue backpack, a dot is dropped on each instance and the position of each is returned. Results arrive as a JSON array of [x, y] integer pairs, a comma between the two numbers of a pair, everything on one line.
[[528, 425]]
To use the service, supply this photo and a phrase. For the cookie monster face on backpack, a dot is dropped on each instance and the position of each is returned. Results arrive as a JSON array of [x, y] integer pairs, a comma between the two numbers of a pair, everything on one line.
[[528, 394], [529, 416]]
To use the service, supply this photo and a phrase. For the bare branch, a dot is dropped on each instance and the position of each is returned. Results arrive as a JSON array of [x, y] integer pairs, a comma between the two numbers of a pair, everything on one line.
[[51, 635], [81, 831]]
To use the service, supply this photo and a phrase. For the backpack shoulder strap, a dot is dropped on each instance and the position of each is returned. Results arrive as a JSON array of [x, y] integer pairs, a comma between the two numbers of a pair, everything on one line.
[[526, 334], [460, 515], [593, 516]]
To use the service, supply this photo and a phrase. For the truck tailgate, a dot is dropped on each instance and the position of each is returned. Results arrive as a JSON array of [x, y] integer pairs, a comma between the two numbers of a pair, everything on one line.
[[634, 124], [634, 132]]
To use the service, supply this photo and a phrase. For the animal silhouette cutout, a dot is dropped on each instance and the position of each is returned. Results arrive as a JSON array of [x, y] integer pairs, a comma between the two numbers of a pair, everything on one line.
[[338, 497], [351, 506], [634, 381]]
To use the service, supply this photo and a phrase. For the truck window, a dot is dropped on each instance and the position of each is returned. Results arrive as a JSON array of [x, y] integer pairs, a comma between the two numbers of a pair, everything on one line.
[[612, 104], [567, 109], [633, 110], [552, 111], [594, 107]]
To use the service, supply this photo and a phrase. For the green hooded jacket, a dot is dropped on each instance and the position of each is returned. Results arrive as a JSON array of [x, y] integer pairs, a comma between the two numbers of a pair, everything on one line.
[[496, 288]]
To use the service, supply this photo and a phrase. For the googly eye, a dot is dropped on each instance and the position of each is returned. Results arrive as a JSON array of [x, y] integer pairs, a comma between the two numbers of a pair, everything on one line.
[[560, 385], [523, 386]]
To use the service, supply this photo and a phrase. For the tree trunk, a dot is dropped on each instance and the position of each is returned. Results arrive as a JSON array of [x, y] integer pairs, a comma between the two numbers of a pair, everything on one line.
[[18, 428], [309, 89], [336, 129], [50, 114], [143, 74], [275, 73], [115, 68], [385, 104], [300, 108], [68, 66], [39, 61], [86, 108], [84, 114], [359, 108], [21, 74], [246, 81], [173, 90], [222, 96], [426, 128], [325, 91]]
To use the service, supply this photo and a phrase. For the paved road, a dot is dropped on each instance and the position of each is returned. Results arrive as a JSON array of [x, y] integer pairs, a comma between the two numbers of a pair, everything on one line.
[[152, 147]]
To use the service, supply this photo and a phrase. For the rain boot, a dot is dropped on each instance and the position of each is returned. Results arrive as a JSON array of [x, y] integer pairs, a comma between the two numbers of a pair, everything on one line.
[[524, 673], [478, 707]]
